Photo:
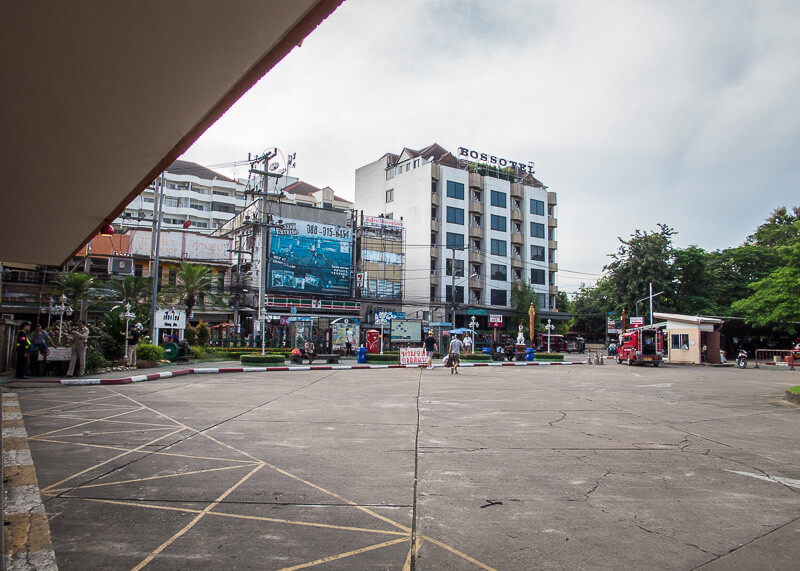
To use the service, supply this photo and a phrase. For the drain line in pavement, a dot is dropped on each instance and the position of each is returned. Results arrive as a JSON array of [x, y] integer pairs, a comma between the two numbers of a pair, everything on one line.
[[412, 556]]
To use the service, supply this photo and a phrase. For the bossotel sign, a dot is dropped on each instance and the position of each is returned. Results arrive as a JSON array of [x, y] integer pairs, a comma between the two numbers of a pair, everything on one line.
[[471, 155]]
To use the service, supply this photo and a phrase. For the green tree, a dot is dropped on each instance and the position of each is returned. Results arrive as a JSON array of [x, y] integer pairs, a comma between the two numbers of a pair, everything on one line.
[[195, 284], [782, 228], [133, 289], [522, 296], [590, 307], [693, 294], [643, 259], [78, 287], [776, 298]]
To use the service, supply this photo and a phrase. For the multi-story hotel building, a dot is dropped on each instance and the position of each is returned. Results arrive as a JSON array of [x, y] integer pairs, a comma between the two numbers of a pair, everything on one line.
[[193, 193], [475, 224]]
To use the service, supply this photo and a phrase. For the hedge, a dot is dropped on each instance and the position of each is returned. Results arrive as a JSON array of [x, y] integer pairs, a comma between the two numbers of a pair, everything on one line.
[[385, 358], [261, 359], [475, 357], [148, 352], [548, 357]]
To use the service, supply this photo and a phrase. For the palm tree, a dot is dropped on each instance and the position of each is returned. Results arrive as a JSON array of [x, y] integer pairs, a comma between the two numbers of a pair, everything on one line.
[[194, 283], [132, 289], [77, 287]]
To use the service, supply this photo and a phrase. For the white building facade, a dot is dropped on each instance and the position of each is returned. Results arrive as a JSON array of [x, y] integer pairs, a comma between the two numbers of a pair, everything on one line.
[[472, 230], [192, 193]]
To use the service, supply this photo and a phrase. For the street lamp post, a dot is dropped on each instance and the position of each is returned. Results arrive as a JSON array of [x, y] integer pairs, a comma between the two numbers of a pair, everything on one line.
[[549, 328], [472, 325], [127, 315]]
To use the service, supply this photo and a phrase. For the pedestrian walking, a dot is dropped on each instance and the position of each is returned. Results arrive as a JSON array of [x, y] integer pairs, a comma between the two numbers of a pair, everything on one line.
[[430, 347], [454, 357], [467, 344], [39, 340], [23, 351], [80, 337]]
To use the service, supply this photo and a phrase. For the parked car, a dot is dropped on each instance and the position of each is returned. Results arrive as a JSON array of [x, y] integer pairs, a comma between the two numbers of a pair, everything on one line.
[[576, 345], [557, 343]]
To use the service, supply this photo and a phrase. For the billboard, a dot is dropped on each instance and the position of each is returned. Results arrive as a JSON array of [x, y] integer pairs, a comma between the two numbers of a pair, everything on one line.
[[310, 257], [406, 331]]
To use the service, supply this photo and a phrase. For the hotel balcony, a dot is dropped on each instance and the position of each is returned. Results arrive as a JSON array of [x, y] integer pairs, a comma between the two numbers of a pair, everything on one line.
[[552, 266], [517, 262], [436, 226], [436, 200], [434, 251], [551, 199], [475, 180], [517, 191], [475, 256], [516, 215], [475, 206], [517, 238], [552, 222], [436, 171], [475, 283], [552, 245], [553, 290], [475, 231], [435, 278]]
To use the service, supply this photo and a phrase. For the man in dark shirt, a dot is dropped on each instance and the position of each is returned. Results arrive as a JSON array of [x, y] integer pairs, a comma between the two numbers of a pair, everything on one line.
[[430, 348], [23, 351]]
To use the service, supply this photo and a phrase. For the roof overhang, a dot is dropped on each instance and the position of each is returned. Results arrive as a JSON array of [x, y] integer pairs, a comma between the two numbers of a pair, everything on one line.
[[100, 97]]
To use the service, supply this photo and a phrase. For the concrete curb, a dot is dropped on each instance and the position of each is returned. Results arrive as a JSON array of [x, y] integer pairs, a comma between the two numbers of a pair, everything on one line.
[[793, 397], [27, 531], [215, 370]]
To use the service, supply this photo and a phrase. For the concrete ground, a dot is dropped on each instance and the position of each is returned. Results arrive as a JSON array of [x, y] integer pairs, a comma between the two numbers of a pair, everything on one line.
[[557, 467]]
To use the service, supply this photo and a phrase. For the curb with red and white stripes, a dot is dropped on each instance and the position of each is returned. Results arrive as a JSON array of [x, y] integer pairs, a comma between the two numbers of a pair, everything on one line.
[[216, 370]]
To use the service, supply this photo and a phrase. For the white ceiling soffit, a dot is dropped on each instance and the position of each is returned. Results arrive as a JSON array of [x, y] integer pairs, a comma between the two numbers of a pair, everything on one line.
[[99, 96]]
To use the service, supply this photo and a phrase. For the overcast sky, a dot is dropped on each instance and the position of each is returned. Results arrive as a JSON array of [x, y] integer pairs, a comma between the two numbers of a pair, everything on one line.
[[635, 112]]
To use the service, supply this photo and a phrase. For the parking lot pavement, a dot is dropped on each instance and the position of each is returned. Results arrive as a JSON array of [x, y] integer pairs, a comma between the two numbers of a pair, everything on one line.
[[497, 468]]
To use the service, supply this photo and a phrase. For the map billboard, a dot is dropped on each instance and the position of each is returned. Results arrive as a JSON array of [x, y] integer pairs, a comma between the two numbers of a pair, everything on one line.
[[310, 257]]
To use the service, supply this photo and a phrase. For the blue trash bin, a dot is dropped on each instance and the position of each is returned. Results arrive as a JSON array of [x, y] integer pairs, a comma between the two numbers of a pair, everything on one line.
[[487, 350], [529, 354], [362, 354]]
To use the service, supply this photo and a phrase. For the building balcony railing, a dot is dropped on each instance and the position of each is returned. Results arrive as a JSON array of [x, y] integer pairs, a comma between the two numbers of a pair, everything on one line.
[[436, 200], [475, 256], [517, 190], [475, 206], [552, 245], [435, 225], [475, 231], [551, 199], [436, 172], [435, 278], [475, 180], [516, 215], [434, 251], [517, 238], [553, 290], [552, 266], [517, 262], [475, 282], [552, 222]]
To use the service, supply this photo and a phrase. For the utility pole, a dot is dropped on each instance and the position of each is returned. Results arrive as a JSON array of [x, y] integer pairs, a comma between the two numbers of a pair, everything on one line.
[[265, 223], [155, 243]]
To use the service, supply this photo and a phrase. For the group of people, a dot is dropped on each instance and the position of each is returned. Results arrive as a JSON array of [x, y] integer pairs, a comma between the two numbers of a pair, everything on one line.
[[30, 345], [454, 350]]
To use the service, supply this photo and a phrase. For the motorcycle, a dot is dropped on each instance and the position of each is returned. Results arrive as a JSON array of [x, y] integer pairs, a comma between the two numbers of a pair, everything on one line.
[[741, 359]]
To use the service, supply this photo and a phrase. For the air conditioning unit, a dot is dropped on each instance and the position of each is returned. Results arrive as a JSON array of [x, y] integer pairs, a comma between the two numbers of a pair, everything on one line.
[[120, 266]]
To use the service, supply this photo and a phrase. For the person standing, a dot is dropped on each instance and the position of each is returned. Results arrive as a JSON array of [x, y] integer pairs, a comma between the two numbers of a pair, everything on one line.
[[80, 337], [133, 340], [23, 351], [39, 340], [467, 344], [430, 347], [456, 347]]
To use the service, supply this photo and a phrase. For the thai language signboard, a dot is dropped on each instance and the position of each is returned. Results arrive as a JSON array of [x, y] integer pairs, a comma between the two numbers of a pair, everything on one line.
[[414, 356], [310, 257]]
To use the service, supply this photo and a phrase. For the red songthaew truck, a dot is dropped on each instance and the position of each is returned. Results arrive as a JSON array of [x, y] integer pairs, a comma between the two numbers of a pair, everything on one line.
[[641, 345]]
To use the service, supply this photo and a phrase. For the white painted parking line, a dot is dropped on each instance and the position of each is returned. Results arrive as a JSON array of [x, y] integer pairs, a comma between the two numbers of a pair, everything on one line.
[[775, 479]]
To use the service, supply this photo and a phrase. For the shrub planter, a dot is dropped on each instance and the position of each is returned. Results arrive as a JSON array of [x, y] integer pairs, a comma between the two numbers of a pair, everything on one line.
[[262, 360], [548, 357], [476, 357], [793, 395], [146, 364], [385, 358]]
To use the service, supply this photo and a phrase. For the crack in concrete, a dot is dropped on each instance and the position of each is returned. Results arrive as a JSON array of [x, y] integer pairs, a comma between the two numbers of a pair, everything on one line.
[[552, 422], [686, 543]]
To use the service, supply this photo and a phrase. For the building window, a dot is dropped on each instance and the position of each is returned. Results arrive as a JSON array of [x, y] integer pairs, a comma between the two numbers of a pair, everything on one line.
[[537, 230], [459, 267], [498, 223], [499, 272], [551, 233], [433, 293], [416, 163], [537, 207], [455, 215], [459, 294], [680, 341], [476, 244], [542, 300], [455, 190], [433, 187], [499, 248], [498, 199], [550, 211], [498, 297], [537, 277], [537, 253], [390, 195], [455, 240], [517, 275]]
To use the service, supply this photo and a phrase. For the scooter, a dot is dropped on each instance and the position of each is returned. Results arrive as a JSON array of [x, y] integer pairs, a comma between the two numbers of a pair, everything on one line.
[[741, 359]]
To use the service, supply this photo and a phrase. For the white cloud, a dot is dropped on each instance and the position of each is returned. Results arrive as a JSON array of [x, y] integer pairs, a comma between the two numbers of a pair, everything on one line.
[[635, 112]]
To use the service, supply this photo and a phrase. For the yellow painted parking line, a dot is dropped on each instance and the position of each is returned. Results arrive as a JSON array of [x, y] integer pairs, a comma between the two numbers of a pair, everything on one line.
[[146, 452], [413, 550], [104, 462], [114, 421], [132, 431], [73, 403], [230, 515], [85, 423], [455, 551], [148, 478], [197, 518], [343, 555]]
